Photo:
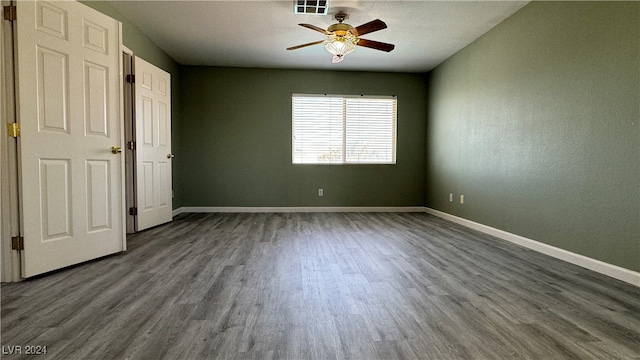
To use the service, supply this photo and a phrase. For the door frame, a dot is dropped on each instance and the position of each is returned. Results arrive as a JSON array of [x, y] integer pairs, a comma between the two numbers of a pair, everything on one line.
[[129, 108], [9, 204]]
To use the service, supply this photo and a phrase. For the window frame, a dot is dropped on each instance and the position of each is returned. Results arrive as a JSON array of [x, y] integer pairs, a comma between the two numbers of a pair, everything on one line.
[[344, 161]]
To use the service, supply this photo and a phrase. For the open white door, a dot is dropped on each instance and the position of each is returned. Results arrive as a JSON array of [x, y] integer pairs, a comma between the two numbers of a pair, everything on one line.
[[153, 145], [69, 95]]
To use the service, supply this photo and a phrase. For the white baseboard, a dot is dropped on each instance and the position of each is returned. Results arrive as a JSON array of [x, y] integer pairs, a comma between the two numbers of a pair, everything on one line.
[[303, 209], [601, 267]]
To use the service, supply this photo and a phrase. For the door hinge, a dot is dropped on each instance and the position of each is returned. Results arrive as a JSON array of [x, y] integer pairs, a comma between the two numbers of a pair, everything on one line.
[[10, 13], [131, 78], [133, 211], [17, 243], [13, 130], [131, 145]]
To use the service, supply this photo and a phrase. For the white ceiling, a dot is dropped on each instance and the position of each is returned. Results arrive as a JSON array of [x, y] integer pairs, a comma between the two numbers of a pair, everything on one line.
[[256, 33]]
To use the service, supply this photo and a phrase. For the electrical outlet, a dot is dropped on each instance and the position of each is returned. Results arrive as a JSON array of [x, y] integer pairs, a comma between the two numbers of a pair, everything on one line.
[[461, 199], [450, 197], [320, 192]]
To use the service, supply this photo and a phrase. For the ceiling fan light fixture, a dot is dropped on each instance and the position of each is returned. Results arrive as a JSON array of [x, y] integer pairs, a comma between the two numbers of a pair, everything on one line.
[[340, 46]]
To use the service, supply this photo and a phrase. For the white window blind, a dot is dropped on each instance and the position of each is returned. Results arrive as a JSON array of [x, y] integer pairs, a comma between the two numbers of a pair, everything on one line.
[[338, 129]]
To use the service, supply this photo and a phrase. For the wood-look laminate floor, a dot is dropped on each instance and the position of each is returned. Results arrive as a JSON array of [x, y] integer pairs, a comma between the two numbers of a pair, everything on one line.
[[322, 286]]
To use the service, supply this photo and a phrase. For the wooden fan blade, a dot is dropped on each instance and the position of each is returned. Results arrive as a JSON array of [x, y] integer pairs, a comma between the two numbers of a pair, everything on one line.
[[370, 27], [376, 45], [313, 27], [305, 45]]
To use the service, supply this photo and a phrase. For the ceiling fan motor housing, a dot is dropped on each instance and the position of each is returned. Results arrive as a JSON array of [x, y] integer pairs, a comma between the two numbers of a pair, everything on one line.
[[340, 29]]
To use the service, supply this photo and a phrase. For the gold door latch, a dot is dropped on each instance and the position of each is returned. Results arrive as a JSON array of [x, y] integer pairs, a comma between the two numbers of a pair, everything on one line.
[[116, 149], [170, 156]]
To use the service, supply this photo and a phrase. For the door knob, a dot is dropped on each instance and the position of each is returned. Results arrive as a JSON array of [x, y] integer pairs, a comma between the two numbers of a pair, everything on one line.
[[116, 149], [170, 156]]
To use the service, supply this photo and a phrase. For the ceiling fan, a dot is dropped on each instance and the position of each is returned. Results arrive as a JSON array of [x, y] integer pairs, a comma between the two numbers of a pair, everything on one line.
[[342, 38]]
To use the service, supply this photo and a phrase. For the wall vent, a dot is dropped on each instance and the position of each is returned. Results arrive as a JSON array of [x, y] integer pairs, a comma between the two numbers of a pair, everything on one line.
[[311, 7]]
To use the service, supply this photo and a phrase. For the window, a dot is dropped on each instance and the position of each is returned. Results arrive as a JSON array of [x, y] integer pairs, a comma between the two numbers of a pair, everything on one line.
[[337, 129]]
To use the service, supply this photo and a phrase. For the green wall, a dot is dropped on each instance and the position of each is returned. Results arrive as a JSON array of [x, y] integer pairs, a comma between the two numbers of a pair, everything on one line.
[[143, 47], [536, 123], [237, 140]]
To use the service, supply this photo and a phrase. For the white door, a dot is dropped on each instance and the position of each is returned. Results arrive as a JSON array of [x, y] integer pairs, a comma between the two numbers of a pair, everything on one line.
[[153, 145], [68, 66]]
